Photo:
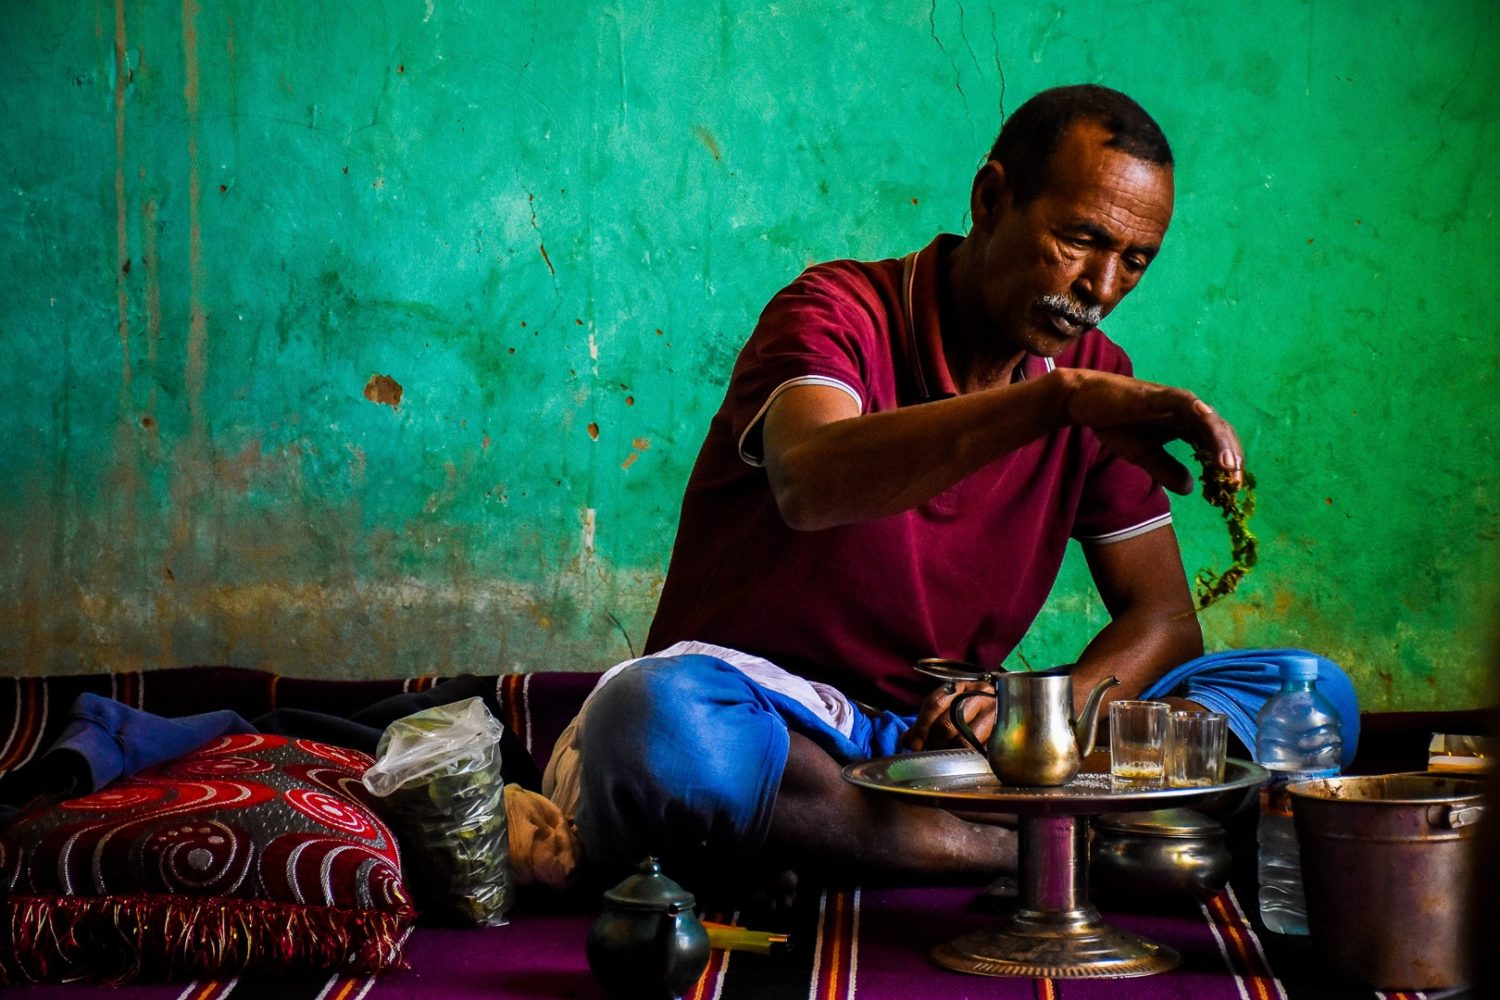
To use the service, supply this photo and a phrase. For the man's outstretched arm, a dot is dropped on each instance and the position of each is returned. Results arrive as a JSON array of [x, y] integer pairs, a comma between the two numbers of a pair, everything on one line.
[[828, 464]]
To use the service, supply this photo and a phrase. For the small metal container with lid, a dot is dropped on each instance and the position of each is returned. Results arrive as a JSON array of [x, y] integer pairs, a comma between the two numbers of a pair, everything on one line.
[[1150, 859], [648, 943]]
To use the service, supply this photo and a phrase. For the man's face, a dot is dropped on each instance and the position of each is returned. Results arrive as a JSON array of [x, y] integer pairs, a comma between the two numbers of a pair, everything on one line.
[[1054, 268]]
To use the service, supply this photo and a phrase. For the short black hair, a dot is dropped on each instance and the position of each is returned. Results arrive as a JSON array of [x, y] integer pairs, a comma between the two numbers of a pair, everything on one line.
[[1031, 134]]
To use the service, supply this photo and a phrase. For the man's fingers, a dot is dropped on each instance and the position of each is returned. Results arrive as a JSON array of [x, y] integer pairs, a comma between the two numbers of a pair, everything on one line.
[[1135, 418], [933, 727], [982, 719], [979, 713], [932, 719], [1219, 444]]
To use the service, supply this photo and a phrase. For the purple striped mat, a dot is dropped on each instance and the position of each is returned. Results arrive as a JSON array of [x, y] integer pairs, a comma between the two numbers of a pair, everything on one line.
[[849, 945]]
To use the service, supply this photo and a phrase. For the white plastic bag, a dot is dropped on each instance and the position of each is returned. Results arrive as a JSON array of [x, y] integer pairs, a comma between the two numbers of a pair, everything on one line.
[[439, 774]]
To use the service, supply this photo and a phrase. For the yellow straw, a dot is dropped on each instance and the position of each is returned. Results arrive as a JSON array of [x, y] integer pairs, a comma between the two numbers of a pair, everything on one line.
[[731, 938]]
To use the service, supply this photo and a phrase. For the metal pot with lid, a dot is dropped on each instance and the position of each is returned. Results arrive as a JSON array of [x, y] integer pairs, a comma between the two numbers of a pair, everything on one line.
[[1158, 857]]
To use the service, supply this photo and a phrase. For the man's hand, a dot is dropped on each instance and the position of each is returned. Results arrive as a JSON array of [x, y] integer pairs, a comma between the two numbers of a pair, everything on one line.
[[934, 731], [1134, 419]]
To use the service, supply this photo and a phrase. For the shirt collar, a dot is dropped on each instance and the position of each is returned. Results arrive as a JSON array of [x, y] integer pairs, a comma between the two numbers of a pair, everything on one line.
[[921, 290]]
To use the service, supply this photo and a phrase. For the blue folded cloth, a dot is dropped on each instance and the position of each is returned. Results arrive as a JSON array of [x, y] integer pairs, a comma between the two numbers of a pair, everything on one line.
[[1238, 682], [114, 739]]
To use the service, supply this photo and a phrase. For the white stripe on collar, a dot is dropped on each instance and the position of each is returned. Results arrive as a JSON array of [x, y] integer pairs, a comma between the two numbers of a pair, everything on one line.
[[908, 282]]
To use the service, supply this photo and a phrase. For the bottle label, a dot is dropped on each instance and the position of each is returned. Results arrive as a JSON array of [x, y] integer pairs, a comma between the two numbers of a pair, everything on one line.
[[1275, 800]]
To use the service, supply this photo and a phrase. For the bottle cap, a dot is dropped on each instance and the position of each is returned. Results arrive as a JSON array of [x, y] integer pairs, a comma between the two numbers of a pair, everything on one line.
[[1299, 668]]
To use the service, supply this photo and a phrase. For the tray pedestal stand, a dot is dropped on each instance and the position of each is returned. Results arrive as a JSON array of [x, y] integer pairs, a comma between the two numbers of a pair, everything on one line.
[[1055, 932]]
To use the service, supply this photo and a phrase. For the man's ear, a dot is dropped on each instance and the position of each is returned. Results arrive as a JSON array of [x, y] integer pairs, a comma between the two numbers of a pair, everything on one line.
[[990, 196]]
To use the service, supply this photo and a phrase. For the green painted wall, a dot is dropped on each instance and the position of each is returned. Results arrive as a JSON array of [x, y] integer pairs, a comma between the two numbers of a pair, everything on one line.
[[237, 227]]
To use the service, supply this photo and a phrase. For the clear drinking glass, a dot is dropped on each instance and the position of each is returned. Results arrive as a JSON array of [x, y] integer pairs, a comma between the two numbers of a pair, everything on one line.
[[1195, 748], [1137, 743]]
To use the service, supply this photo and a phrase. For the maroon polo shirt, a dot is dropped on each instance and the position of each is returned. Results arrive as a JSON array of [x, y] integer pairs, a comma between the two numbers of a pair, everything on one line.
[[961, 576]]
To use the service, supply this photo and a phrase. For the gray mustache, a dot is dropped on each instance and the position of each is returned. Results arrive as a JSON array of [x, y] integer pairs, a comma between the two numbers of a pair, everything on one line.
[[1075, 311]]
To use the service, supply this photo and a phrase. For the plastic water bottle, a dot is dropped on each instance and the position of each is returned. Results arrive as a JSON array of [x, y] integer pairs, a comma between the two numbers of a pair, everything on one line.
[[1297, 737]]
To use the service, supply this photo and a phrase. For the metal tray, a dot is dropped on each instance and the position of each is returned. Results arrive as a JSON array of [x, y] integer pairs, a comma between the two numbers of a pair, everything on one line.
[[962, 780]]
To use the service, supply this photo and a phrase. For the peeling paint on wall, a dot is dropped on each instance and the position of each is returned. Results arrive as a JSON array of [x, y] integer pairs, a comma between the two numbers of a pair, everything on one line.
[[384, 390]]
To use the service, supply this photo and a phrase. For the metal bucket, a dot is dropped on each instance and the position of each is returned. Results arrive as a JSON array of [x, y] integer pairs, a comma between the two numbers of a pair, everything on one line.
[[1387, 862]]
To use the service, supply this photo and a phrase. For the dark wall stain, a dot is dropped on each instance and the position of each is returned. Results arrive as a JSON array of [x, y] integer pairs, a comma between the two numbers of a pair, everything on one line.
[[706, 137]]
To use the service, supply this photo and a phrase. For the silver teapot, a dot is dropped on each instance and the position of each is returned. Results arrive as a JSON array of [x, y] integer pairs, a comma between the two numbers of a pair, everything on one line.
[[1036, 741]]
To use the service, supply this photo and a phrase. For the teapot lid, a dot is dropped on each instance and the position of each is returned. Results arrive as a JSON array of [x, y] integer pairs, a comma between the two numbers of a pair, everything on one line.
[[649, 889]]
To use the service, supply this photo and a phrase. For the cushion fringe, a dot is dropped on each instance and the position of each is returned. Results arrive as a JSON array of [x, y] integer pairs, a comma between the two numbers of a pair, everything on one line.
[[114, 939]]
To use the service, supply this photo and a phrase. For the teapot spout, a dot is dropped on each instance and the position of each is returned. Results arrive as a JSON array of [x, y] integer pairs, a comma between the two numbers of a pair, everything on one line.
[[1086, 726]]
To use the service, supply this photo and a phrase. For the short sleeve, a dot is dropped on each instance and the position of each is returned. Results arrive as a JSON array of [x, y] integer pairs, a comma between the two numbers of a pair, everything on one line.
[[1119, 501], [821, 330]]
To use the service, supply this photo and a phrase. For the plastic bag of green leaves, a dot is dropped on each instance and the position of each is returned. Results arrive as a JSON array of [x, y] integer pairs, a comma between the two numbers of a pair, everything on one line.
[[439, 774]]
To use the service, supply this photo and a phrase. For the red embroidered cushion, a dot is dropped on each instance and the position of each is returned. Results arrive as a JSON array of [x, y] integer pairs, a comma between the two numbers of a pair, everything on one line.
[[251, 851]]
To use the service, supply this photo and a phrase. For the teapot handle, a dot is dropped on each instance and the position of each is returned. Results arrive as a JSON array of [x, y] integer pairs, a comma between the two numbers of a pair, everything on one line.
[[683, 948], [960, 723]]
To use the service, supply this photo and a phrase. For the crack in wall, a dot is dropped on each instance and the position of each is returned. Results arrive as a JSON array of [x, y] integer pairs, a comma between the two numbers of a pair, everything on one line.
[[541, 240], [963, 33], [957, 78], [999, 67]]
